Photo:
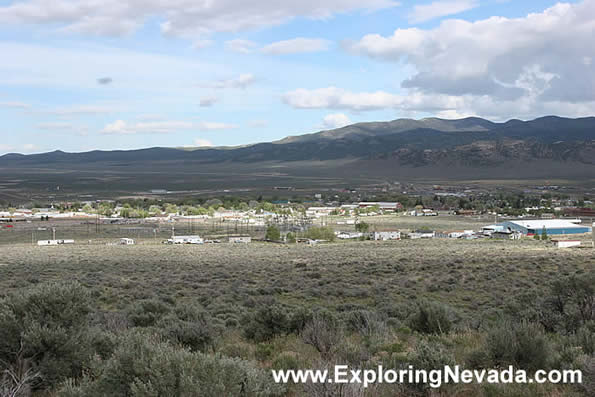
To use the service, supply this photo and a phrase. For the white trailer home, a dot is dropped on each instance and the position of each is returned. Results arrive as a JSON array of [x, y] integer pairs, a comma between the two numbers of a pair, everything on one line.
[[240, 239], [185, 240], [126, 241], [385, 236], [54, 242], [566, 243]]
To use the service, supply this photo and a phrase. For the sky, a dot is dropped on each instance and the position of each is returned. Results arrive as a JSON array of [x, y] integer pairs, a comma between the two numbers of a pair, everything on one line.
[[80, 75]]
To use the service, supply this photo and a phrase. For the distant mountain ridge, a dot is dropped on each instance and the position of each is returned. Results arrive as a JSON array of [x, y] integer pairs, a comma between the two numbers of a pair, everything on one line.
[[560, 145]]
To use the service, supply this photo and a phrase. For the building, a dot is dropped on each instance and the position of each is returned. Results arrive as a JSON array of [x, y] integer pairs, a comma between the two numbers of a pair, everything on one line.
[[551, 226], [185, 240], [506, 235], [54, 242], [126, 241], [382, 205], [349, 235], [566, 243], [584, 212], [317, 212], [422, 234], [458, 233], [240, 239], [384, 236]]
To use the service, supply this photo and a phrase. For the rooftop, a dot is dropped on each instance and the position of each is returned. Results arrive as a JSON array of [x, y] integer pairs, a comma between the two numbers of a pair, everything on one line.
[[547, 223]]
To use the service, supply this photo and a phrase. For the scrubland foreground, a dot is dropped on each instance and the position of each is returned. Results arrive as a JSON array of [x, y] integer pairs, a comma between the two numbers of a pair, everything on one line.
[[212, 320]]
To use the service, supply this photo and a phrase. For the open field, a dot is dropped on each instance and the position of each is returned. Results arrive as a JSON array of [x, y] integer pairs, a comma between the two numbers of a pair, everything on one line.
[[261, 304], [473, 276]]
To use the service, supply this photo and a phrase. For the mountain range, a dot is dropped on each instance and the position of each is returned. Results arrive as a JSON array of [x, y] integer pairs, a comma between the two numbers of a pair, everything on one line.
[[430, 148]]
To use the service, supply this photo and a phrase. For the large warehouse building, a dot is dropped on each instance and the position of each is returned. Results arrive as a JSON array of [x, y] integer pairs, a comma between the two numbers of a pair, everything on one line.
[[552, 226]]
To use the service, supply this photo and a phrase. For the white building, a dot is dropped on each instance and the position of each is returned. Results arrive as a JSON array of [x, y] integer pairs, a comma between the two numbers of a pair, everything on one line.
[[384, 236], [185, 240], [422, 234], [54, 242], [317, 212], [126, 241], [349, 235], [566, 243], [240, 239]]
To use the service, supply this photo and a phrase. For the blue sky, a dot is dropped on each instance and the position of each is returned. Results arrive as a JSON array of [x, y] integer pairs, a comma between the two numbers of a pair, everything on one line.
[[80, 75]]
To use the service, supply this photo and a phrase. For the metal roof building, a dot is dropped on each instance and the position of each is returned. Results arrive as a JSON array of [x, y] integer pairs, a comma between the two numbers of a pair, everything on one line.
[[551, 226]]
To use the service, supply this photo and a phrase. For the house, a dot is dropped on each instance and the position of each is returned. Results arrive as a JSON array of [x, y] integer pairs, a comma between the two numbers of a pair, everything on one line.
[[126, 241], [384, 236], [185, 240], [422, 234], [240, 239], [349, 235], [382, 205], [54, 242], [551, 227], [317, 212], [566, 243], [457, 233]]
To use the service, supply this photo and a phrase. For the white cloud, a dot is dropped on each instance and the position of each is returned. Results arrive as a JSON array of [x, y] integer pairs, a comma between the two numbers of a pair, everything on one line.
[[75, 110], [30, 147], [213, 126], [25, 148], [507, 59], [242, 81], [336, 120], [258, 123], [6, 148], [241, 46], [199, 142], [337, 98], [121, 127], [16, 105], [416, 102], [55, 126], [182, 17], [438, 9], [208, 101], [295, 46], [199, 44]]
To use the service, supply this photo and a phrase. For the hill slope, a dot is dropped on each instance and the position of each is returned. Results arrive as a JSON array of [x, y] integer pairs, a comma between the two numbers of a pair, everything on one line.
[[430, 148]]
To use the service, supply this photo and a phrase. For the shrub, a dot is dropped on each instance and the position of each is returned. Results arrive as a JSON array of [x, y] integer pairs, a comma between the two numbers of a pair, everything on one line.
[[522, 344], [323, 333], [266, 323], [143, 365], [432, 318], [191, 326], [46, 329], [286, 360], [146, 313]]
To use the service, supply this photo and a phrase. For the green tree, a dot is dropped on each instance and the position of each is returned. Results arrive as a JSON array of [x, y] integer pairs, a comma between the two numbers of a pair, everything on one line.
[[544, 234], [290, 238], [362, 227], [273, 233]]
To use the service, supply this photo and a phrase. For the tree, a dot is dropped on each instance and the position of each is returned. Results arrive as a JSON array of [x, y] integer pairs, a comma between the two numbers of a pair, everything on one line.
[[362, 227], [273, 233], [290, 238], [543, 234]]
